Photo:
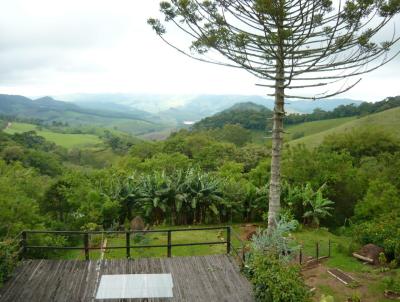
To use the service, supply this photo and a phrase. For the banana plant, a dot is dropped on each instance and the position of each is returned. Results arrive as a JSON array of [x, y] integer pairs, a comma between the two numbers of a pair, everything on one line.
[[319, 206]]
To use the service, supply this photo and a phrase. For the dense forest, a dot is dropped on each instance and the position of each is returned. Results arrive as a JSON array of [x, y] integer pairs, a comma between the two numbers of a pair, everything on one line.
[[199, 177]]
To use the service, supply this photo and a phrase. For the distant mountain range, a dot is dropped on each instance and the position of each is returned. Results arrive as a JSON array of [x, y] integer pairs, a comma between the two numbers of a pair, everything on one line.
[[141, 113], [180, 108]]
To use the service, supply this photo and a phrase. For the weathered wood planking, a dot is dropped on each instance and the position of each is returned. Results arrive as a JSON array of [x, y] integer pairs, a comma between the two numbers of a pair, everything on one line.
[[206, 278]]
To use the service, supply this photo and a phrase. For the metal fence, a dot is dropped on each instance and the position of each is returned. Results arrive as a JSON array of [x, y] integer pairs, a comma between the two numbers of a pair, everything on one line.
[[128, 246]]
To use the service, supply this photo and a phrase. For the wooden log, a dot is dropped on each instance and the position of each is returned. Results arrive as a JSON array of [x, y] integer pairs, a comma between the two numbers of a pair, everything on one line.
[[358, 256]]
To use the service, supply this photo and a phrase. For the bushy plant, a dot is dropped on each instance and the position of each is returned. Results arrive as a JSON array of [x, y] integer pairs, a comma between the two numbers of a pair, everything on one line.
[[276, 281], [392, 283], [383, 231], [8, 259], [276, 242]]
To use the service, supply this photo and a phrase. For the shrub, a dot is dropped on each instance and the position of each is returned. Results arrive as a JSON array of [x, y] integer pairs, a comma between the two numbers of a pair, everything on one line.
[[392, 283], [276, 281], [277, 242], [393, 264], [383, 231], [8, 259]]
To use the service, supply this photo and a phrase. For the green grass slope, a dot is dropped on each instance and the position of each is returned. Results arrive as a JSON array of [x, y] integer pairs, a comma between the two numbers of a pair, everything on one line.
[[388, 120], [310, 128], [61, 139], [305, 129]]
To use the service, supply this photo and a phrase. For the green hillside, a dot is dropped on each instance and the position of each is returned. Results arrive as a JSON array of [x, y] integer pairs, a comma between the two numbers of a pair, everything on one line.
[[61, 139], [302, 130], [388, 120], [47, 110], [310, 128]]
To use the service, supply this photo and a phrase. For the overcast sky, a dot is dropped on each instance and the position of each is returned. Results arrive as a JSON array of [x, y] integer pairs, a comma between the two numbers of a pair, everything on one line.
[[52, 47]]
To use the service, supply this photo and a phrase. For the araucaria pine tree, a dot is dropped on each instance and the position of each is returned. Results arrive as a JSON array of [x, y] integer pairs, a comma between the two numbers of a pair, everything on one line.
[[289, 45]]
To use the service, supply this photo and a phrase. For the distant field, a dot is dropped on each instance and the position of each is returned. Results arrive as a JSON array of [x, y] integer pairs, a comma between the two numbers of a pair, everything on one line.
[[307, 128], [388, 120], [310, 128], [64, 140]]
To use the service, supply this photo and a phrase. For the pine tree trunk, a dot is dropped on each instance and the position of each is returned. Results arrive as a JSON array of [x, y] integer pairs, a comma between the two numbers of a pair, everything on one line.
[[277, 142]]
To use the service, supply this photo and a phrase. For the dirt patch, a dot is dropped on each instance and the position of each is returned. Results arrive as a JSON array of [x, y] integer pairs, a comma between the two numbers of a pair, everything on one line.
[[371, 251], [137, 224], [319, 278], [247, 231], [392, 295]]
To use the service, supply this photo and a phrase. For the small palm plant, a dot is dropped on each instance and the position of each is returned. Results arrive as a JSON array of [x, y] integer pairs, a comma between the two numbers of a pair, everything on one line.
[[319, 206]]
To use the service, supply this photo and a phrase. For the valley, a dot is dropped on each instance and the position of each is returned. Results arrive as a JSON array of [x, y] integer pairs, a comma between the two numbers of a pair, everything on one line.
[[96, 177], [61, 139]]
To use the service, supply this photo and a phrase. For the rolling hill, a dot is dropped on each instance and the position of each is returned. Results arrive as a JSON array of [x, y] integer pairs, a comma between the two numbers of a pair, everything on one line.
[[388, 120], [48, 110], [61, 139], [248, 115], [310, 128]]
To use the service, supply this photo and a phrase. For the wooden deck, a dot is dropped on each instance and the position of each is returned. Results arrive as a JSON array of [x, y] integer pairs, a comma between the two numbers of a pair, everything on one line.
[[207, 278]]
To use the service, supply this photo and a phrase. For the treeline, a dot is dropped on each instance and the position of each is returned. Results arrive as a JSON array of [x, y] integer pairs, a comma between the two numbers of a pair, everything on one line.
[[250, 116], [14, 118], [257, 117], [363, 109]]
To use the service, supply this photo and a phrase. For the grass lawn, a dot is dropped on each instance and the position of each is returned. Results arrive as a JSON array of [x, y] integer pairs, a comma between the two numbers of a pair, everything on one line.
[[61, 139], [160, 239]]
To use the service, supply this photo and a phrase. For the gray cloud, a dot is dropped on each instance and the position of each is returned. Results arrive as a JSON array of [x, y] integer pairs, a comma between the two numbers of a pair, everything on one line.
[[66, 46]]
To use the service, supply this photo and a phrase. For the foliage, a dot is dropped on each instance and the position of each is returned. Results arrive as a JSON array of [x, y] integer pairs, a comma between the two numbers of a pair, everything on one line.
[[320, 207], [335, 170], [383, 231], [234, 134], [363, 142], [392, 283], [277, 241], [381, 197], [8, 259], [19, 191], [251, 116], [274, 281]]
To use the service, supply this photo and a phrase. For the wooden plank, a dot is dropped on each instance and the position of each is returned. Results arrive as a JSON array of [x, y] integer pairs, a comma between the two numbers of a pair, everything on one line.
[[342, 276], [203, 279]]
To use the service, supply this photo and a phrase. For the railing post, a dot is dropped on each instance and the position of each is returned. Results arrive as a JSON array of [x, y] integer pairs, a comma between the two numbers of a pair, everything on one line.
[[317, 250], [23, 244], [169, 244], [128, 245], [301, 255], [228, 240], [243, 254], [86, 244], [329, 248]]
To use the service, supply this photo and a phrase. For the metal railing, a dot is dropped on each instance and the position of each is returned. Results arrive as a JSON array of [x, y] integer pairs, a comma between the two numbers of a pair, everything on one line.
[[317, 252], [25, 247]]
